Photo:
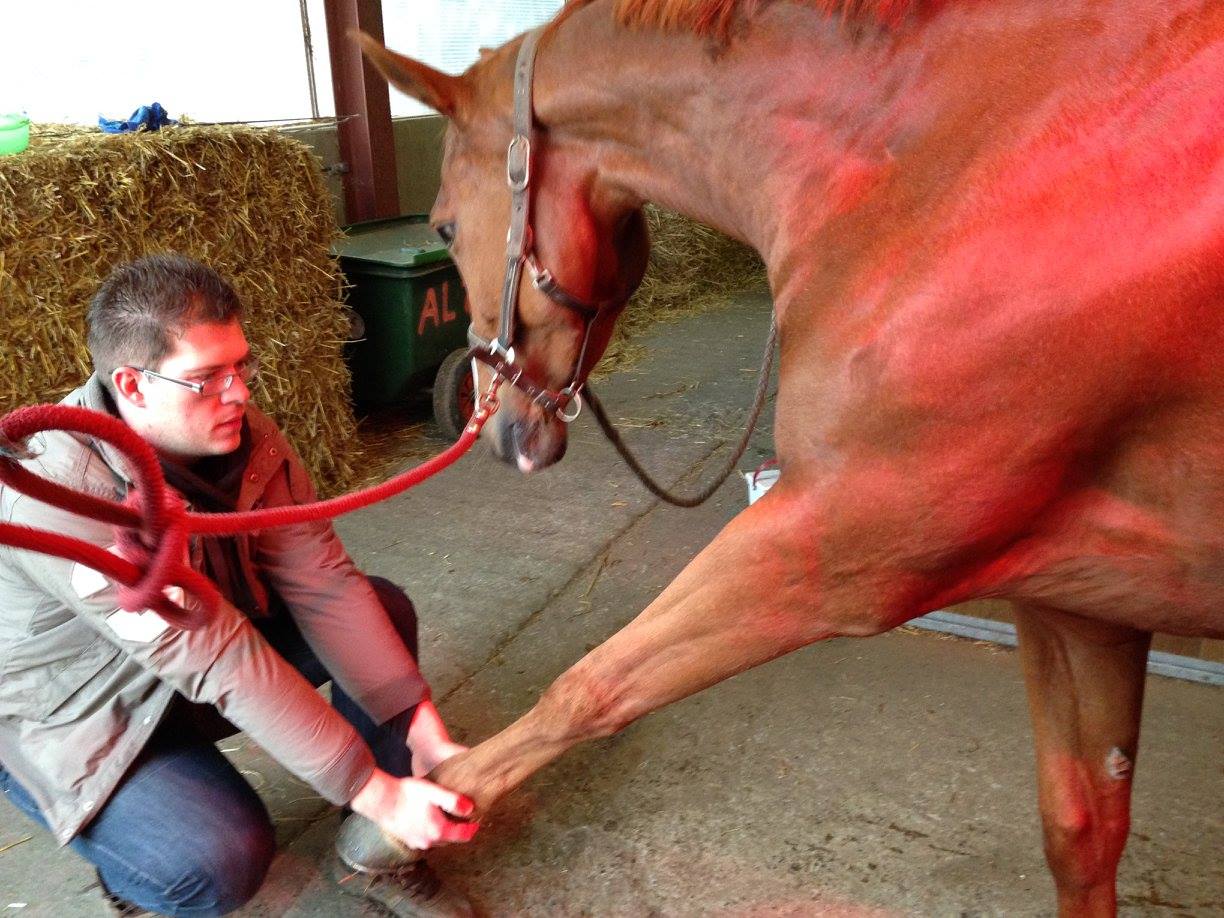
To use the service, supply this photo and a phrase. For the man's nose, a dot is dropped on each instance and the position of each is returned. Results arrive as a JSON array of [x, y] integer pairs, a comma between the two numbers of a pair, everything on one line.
[[238, 393]]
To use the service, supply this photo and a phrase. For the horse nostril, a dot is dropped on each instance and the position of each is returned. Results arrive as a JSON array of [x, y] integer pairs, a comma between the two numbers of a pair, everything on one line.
[[521, 440]]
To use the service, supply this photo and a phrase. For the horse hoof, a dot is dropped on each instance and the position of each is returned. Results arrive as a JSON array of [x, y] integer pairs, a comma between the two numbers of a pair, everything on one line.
[[363, 846]]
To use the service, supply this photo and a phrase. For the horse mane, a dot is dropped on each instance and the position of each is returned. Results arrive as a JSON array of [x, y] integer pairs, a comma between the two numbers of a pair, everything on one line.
[[717, 17]]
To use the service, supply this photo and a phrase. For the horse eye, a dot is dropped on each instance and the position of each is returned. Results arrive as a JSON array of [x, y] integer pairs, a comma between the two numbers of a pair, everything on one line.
[[447, 232]]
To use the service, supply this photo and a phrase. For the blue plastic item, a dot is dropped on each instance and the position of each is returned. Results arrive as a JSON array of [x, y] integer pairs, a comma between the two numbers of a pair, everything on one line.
[[147, 117]]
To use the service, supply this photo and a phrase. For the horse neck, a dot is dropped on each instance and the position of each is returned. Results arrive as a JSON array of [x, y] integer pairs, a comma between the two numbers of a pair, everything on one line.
[[809, 135], [764, 139]]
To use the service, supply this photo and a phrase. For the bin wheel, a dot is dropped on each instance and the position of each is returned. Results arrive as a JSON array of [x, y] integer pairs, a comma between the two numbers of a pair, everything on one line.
[[453, 394]]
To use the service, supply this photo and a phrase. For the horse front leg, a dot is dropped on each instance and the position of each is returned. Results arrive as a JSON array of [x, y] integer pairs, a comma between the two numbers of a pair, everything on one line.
[[761, 589], [1085, 687]]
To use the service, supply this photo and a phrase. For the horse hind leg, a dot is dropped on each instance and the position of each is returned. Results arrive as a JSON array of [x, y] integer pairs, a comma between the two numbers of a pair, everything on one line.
[[1085, 689]]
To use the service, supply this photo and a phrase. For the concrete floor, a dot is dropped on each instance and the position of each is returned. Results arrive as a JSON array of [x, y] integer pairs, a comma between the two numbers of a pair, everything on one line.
[[890, 776]]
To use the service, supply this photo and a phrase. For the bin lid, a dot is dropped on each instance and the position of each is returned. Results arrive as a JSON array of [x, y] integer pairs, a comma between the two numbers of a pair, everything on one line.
[[401, 242]]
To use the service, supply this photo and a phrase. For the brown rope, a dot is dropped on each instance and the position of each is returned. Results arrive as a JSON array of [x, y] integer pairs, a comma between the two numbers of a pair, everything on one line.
[[610, 431]]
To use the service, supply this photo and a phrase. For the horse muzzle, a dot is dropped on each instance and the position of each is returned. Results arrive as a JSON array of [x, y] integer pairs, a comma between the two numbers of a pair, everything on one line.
[[526, 438]]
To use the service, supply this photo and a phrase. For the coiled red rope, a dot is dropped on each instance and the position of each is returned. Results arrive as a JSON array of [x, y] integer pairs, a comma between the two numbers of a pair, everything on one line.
[[152, 525]]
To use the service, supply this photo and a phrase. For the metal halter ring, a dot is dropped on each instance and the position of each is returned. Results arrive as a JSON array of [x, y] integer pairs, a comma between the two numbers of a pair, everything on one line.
[[576, 401], [507, 353]]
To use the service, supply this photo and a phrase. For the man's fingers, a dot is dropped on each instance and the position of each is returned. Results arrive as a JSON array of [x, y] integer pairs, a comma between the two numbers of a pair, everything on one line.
[[441, 830], [451, 831], [455, 804]]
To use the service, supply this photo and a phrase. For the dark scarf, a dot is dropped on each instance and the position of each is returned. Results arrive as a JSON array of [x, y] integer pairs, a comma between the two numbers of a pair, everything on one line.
[[211, 485]]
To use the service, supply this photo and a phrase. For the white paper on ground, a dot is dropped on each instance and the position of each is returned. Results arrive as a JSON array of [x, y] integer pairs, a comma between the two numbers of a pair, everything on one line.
[[760, 482]]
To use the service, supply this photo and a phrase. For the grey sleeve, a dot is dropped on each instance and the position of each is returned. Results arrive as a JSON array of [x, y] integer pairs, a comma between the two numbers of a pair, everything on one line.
[[226, 663], [338, 613]]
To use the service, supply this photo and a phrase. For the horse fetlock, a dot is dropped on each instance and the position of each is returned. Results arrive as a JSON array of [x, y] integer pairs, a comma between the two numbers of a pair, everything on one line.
[[1094, 902], [477, 774], [1083, 848], [1077, 867]]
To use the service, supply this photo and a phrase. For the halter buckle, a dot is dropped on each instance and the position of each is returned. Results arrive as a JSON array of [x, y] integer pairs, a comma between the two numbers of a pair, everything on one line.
[[518, 163], [496, 348], [541, 278]]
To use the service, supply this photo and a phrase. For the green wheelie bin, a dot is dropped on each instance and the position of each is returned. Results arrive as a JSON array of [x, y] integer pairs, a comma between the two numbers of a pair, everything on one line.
[[411, 328]]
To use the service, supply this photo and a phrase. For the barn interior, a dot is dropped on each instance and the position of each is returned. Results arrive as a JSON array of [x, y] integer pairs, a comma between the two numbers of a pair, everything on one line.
[[884, 776]]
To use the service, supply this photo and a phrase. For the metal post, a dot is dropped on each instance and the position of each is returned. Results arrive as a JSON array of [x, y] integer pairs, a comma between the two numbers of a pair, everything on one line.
[[363, 110], [309, 48]]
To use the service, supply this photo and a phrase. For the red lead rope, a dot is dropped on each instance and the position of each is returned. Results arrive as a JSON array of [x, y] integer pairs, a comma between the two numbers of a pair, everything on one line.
[[151, 526]]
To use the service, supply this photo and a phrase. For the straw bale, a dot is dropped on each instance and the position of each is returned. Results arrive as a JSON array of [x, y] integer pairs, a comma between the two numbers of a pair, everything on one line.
[[247, 201]]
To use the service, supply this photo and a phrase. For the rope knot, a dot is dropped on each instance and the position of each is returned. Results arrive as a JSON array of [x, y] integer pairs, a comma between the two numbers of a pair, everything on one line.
[[159, 549]]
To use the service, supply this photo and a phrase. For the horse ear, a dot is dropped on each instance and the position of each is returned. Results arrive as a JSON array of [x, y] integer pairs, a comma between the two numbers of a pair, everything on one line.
[[440, 91]]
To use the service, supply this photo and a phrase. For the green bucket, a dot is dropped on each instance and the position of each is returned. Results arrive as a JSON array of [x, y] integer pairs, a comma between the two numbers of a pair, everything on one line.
[[14, 133]]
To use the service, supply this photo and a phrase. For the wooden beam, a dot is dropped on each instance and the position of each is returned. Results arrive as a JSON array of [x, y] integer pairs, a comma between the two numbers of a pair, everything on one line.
[[363, 105]]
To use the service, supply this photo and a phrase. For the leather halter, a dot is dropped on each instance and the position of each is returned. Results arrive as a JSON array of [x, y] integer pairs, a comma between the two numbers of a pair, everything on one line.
[[498, 353]]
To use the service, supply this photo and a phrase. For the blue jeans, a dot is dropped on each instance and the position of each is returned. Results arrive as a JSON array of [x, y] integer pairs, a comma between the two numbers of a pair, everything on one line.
[[184, 834]]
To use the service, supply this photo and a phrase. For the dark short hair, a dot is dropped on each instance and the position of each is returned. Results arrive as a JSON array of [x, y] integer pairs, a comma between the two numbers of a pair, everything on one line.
[[145, 304]]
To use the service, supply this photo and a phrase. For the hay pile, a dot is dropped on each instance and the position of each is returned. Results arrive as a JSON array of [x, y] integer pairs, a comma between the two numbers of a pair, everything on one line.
[[249, 202], [691, 269]]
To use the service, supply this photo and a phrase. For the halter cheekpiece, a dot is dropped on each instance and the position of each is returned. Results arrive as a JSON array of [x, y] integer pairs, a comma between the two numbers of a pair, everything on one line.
[[498, 354]]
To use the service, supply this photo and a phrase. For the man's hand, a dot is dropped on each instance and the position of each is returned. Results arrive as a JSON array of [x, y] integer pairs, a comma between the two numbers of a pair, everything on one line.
[[425, 761], [414, 810], [429, 741]]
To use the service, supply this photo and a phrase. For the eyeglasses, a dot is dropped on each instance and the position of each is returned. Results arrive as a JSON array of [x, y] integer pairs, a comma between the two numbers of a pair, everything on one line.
[[246, 370]]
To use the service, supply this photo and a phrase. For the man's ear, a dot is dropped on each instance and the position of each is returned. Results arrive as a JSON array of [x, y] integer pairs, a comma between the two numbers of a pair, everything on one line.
[[127, 382]]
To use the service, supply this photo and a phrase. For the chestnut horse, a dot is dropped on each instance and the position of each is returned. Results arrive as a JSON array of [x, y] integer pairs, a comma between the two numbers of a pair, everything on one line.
[[994, 231]]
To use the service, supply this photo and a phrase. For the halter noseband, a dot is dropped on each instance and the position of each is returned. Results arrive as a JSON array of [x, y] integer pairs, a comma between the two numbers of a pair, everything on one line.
[[498, 354]]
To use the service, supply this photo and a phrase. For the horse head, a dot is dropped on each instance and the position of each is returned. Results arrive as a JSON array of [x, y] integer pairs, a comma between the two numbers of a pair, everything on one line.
[[581, 248]]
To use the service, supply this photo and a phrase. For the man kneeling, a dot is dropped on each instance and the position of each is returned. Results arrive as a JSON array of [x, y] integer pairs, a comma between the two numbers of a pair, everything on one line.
[[109, 719]]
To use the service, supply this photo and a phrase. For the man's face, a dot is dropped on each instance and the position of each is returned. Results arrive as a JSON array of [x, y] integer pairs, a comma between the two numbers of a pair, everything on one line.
[[176, 421]]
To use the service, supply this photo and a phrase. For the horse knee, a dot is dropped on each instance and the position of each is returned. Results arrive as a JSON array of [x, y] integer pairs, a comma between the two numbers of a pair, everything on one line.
[[583, 705], [223, 874]]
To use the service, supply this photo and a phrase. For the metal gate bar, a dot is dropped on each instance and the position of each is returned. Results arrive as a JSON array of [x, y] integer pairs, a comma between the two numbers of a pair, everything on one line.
[[984, 629]]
